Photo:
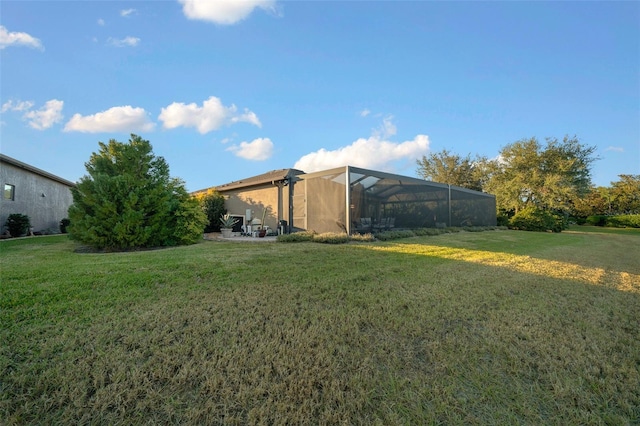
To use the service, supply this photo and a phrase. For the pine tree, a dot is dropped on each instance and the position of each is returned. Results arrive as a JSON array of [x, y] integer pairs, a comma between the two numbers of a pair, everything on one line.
[[128, 200]]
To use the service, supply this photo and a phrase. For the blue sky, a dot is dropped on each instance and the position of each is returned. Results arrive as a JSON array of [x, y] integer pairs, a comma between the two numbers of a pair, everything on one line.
[[225, 90]]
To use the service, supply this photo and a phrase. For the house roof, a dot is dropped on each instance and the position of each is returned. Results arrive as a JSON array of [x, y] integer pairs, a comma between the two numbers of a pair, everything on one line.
[[35, 170], [376, 183], [269, 177]]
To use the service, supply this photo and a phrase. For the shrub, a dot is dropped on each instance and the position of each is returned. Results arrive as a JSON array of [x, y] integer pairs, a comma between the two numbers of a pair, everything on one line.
[[64, 223], [422, 232], [187, 224], [579, 220], [340, 238], [395, 235], [212, 203], [295, 237], [474, 228], [363, 237], [503, 218], [536, 219], [596, 220], [620, 221], [331, 238], [623, 221], [18, 224]]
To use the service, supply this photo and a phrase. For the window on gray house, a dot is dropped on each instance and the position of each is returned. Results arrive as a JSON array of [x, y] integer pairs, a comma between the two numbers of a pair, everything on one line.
[[9, 192]]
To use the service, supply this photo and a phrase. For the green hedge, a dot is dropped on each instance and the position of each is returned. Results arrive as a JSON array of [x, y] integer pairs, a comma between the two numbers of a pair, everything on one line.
[[363, 237], [296, 237], [620, 221], [596, 220], [424, 232], [341, 238], [395, 235], [624, 221], [536, 219], [331, 238], [325, 238]]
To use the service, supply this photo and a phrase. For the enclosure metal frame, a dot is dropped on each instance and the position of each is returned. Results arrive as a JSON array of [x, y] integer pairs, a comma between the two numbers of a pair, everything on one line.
[[349, 171]]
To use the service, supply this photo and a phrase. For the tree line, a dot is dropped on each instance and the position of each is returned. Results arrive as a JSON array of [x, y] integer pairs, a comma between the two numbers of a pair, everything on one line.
[[552, 176]]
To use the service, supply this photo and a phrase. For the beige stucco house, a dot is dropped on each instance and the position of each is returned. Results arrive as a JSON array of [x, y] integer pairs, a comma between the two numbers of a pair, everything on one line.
[[350, 199]]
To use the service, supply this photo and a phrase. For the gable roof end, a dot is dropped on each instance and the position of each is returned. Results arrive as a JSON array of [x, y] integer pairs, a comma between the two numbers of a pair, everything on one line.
[[269, 177]]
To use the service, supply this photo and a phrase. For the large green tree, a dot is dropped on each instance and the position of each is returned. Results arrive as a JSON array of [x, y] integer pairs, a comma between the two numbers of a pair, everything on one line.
[[625, 194], [128, 200], [596, 202], [453, 169], [552, 176]]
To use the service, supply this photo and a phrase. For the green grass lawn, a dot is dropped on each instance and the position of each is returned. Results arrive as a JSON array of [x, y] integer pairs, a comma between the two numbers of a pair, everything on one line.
[[498, 327]]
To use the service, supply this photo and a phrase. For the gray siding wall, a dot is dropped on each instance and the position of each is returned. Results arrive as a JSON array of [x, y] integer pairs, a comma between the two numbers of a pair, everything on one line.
[[45, 212]]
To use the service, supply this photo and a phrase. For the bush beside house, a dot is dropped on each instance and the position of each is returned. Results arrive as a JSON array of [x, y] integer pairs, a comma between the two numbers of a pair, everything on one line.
[[18, 224]]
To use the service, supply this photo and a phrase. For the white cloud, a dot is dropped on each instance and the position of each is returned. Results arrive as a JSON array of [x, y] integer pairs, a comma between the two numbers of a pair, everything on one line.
[[210, 116], [375, 152], [101, 22], [257, 150], [116, 119], [229, 139], [46, 116], [387, 129], [8, 38], [125, 13], [41, 119], [125, 42], [365, 112], [225, 12], [17, 106], [615, 148]]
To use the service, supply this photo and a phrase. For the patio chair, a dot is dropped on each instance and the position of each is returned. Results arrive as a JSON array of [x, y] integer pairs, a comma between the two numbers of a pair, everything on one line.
[[381, 225], [364, 225], [391, 222]]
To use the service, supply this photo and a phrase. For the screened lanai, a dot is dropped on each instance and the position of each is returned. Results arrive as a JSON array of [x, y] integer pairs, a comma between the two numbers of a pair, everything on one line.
[[359, 200]]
